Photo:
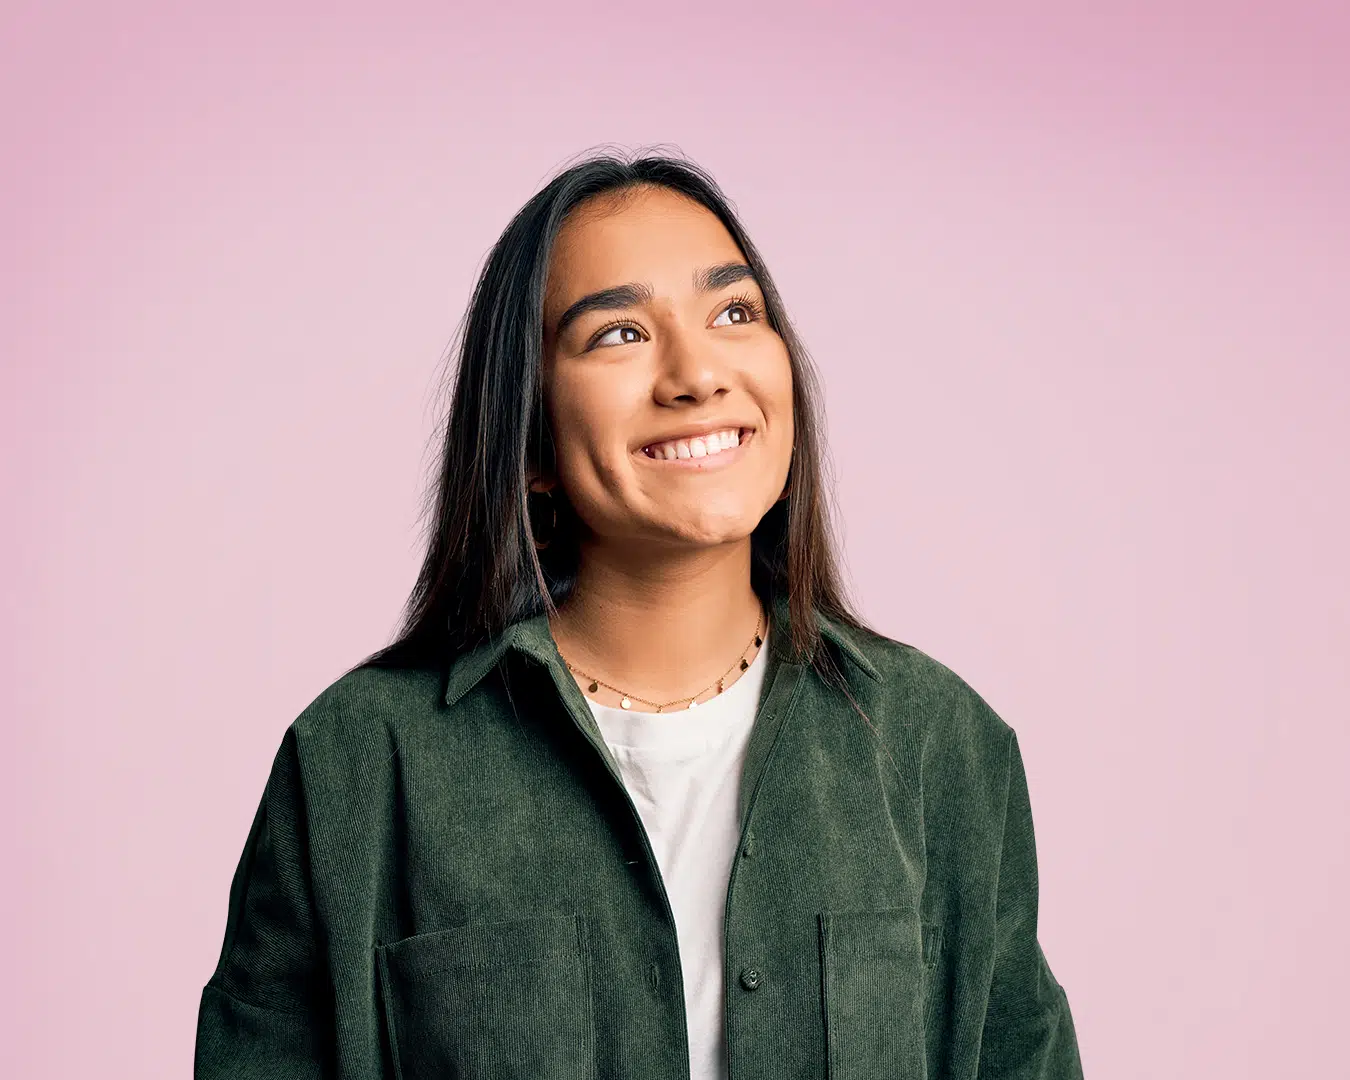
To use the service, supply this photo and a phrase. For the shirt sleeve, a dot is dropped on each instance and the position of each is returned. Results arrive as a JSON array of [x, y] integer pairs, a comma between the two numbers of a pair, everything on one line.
[[1028, 1028], [263, 1013]]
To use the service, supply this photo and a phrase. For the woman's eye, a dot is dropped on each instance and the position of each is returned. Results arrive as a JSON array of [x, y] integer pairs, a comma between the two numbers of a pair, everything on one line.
[[745, 308], [748, 310], [619, 329]]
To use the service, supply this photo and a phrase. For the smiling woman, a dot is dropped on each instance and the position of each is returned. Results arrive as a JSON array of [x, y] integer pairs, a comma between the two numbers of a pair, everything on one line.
[[810, 854]]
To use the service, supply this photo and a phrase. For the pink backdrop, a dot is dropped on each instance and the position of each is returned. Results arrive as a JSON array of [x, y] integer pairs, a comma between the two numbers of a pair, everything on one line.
[[1076, 279]]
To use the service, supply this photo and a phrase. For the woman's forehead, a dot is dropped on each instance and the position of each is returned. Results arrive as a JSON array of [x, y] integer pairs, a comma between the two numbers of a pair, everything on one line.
[[659, 239]]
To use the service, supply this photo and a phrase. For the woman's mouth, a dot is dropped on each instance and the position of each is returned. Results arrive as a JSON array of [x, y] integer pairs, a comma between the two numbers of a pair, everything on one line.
[[702, 451]]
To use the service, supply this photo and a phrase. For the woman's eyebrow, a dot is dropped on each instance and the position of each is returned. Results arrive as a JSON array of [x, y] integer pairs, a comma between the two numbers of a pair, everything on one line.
[[635, 294]]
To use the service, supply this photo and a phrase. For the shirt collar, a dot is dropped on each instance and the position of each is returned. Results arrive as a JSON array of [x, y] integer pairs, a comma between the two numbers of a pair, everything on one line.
[[533, 637]]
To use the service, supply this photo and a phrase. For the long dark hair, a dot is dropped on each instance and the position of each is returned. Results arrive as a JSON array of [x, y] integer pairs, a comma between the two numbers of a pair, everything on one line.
[[482, 571]]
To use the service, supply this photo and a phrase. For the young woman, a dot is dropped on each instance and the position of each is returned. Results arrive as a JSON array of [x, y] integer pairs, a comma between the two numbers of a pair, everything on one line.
[[635, 793]]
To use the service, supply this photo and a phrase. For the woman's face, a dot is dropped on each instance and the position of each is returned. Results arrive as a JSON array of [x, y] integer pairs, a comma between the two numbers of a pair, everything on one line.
[[680, 347]]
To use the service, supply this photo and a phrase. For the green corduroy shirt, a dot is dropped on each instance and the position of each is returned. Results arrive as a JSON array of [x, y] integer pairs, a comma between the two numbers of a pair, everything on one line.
[[446, 878]]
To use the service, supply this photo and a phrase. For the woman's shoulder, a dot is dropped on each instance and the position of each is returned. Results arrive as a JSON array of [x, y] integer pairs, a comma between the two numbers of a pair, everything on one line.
[[365, 707], [916, 689], [947, 740]]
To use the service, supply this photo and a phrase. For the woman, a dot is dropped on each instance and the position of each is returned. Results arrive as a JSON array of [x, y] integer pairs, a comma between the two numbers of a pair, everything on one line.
[[635, 793]]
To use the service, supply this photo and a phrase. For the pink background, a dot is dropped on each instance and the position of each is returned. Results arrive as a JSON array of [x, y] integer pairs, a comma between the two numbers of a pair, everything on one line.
[[1076, 281]]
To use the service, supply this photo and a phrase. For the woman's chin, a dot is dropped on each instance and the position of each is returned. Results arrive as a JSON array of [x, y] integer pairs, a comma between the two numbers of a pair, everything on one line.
[[711, 530]]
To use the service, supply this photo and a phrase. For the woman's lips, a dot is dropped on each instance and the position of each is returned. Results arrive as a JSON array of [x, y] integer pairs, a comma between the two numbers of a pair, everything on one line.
[[705, 463]]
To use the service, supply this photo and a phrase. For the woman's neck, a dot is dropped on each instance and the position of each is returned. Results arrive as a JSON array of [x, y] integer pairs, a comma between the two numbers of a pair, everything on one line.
[[661, 631]]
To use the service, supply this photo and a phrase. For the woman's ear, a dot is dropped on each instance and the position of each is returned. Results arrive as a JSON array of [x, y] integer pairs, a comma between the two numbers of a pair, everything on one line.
[[787, 486], [542, 488]]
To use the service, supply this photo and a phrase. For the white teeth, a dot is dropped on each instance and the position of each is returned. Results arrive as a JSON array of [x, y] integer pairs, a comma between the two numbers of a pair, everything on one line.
[[702, 446]]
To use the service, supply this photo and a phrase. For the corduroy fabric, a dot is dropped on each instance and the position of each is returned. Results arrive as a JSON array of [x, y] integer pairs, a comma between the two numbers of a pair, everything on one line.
[[446, 878]]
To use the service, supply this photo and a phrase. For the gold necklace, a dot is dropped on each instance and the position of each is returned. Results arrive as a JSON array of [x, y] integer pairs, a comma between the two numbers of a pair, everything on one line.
[[626, 700]]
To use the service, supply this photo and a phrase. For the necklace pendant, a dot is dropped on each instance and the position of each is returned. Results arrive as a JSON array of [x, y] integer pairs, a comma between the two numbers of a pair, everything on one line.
[[720, 686], [744, 663], [594, 687], [625, 704], [758, 641]]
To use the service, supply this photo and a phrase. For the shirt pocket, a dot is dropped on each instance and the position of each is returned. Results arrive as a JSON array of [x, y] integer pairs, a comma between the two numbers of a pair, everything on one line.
[[506, 1000], [874, 982]]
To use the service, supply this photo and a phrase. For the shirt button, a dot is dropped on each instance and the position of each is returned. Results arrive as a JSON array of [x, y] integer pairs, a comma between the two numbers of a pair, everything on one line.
[[750, 978]]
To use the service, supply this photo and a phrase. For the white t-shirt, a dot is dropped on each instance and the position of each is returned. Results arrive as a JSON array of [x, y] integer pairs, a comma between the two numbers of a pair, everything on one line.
[[683, 772]]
